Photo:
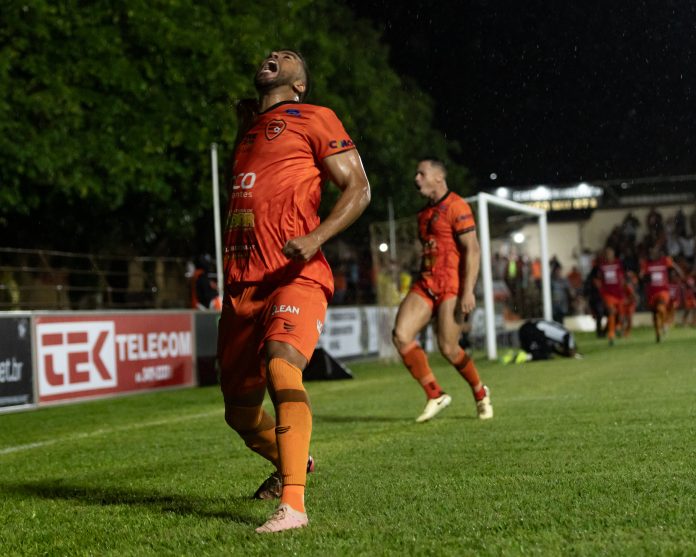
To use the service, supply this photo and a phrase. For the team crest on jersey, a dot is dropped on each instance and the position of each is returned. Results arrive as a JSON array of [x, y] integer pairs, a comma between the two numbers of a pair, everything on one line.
[[274, 128]]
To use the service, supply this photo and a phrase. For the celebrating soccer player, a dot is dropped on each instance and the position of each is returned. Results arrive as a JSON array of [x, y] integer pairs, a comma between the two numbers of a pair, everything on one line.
[[277, 279], [445, 289], [655, 271], [610, 281]]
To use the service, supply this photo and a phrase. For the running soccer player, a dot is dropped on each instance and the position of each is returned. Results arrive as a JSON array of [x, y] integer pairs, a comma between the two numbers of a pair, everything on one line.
[[655, 272], [689, 295], [445, 289], [675, 295], [277, 279], [610, 281]]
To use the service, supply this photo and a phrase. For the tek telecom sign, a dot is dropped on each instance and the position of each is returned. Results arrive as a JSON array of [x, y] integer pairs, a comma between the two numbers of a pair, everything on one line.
[[76, 357], [16, 383], [88, 356]]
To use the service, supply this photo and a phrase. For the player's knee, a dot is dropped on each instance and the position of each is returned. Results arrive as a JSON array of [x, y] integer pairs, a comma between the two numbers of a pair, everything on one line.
[[243, 419], [400, 338], [284, 351], [450, 350]]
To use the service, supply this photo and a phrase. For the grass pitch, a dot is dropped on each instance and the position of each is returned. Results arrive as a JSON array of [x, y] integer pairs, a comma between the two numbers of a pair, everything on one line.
[[583, 457]]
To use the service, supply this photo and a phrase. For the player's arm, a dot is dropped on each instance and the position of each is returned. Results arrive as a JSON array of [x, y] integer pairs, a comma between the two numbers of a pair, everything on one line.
[[344, 169], [677, 269], [469, 246]]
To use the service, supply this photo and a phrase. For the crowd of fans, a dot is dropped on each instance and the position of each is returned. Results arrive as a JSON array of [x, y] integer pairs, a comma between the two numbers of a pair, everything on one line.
[[574, 291]]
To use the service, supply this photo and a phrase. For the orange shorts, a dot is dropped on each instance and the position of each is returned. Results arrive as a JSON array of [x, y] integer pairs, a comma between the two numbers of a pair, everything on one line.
[[661, 297], [292, 313], [612, 302], [434, 300]]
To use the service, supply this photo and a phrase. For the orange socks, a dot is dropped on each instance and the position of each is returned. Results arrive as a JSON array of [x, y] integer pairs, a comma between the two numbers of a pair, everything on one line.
[[466, 368], [611, 326], [416, 361], [293, 429]]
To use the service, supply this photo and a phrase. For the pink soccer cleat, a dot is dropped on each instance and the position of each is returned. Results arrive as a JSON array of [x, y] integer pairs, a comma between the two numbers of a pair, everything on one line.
[[284, 518]]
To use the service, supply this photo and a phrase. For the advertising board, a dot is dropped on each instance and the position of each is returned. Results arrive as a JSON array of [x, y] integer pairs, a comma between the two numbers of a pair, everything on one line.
[[16, 378], [96, 355]]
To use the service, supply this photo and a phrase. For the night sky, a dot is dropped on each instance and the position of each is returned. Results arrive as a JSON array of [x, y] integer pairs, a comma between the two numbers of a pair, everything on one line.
[[553, 92]]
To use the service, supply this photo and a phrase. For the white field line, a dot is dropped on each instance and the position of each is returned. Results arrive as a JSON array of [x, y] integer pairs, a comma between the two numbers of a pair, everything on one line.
[[105, 431]]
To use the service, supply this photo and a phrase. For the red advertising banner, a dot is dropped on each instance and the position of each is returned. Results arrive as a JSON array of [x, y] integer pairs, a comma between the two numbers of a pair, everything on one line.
[[98, 355]]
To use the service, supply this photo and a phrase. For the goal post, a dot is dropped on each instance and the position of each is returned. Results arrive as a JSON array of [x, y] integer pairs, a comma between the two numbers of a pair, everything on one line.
[[482, 201]]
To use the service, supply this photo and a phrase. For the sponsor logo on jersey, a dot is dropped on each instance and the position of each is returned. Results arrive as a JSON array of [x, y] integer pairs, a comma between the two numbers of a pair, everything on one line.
[[293, 112], [244, 180], [240, 218], [282, 308], [274, 128], [340, 143], [239, 251]]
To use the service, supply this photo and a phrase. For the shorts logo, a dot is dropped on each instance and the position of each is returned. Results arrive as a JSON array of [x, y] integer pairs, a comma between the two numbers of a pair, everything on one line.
[[320, 326], [282, 308], [274, 128]]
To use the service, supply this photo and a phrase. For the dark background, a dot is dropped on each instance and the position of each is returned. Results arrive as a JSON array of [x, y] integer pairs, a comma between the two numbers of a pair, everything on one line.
[[552, 92]]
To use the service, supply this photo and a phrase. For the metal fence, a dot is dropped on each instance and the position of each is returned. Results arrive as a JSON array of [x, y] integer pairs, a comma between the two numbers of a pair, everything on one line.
[[56, 280]]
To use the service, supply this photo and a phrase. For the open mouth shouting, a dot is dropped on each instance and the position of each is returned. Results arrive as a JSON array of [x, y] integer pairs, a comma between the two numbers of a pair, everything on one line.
[[269, 69]]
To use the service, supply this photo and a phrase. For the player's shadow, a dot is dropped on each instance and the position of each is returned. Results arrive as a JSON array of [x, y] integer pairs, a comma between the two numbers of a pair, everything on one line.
[[149, 499]]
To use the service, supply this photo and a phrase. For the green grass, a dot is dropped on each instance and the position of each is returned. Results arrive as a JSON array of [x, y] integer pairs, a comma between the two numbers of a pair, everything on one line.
[[583, 457]]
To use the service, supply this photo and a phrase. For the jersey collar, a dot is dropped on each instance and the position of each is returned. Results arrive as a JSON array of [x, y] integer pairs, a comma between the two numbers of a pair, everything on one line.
[[276, 105], [441, 199]]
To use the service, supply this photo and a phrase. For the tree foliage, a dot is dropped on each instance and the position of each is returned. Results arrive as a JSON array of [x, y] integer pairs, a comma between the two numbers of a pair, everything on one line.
[[108, 109]]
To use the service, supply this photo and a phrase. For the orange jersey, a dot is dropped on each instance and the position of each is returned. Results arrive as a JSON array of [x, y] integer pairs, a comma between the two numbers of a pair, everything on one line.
[[276, 191], [439, 225]]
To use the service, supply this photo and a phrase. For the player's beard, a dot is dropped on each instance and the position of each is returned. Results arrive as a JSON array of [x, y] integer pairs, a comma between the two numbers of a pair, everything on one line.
[[264, 86]]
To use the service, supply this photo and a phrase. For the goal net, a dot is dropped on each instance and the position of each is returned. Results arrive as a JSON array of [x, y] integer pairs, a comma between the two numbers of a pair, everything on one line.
[[513, 283]]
